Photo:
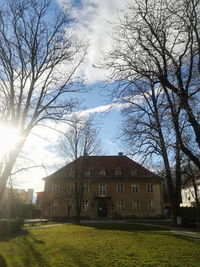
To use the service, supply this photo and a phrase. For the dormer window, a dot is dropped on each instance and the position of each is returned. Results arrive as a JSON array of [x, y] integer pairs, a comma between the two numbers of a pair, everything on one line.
[[133, 172], [88, 173], [102, 172], [118, 172]]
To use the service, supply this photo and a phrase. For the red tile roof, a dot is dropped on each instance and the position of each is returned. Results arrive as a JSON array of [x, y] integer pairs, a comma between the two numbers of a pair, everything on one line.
[[108, 163]]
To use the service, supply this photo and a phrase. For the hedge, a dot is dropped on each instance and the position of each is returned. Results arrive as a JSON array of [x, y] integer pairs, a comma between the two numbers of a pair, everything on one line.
[[10, 226]]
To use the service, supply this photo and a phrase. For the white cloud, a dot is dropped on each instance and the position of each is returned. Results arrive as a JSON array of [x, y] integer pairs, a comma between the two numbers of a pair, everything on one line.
[[101, 109], [40, 149], [93, 24], [94, 19]]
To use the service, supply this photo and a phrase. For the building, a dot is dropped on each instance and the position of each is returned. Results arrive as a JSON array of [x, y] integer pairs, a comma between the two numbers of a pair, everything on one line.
[[40, 200], [188, 193], [114, 187]]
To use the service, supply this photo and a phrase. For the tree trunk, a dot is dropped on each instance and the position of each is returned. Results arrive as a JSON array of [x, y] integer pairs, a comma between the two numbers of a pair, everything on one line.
[[9, 166]]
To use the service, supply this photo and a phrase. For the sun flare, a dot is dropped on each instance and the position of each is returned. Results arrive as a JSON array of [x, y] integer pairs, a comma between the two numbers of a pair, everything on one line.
[[8, 138]]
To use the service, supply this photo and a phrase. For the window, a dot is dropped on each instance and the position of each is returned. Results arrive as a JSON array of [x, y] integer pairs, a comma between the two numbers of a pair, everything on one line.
[[151, 206], [136, 205], [120, 204], [102, 172], [120, 188], [55, 188], [149, 188], [85, 204], [69, 204], [54, 206], [85, 187], [102, 189], [70, 188], [135, 188], [118, 172], [133, 172], [88, 173]]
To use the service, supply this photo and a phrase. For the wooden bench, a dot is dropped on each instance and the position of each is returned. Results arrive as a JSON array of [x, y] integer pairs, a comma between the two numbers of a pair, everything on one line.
[[34, 222]]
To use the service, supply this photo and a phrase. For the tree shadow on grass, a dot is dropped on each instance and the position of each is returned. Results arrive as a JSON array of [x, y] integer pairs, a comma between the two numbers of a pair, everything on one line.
[[139, 228], [128, 227], [2, 262], [7, 237], [31, 252]]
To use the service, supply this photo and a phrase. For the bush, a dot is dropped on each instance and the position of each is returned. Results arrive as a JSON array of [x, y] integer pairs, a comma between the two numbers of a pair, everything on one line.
[[16, 209], [190, 216], [117, 215], [10, 226]]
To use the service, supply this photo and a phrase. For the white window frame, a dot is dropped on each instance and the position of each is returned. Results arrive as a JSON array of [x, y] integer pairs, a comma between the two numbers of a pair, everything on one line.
[[135, 188], [133, 172], [119, 188], [120, 205], [88, 173], [69, 203], [102, 190], [136, 205], [55, 187], [118, 172], [151, 206], [54, 206], [70, 188], [149, 188], [84, 204], [102, 172], [85, 187]]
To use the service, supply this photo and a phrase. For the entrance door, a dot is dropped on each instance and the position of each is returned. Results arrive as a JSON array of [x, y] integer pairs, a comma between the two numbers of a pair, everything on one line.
[[102, 208]]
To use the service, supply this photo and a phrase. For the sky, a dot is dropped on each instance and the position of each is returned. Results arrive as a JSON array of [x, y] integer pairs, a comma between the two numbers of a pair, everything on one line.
[[93, 22]]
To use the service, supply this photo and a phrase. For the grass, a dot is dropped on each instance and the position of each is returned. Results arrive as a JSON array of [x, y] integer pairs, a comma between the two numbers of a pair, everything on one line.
[[107, 244]]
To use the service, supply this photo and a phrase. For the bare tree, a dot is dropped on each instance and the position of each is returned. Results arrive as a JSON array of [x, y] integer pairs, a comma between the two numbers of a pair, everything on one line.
[[39, 57], [159, 41], [147, 131], [80, 141]]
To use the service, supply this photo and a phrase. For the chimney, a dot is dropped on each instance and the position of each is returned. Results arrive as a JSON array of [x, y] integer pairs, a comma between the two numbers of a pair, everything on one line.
[[120, 154]]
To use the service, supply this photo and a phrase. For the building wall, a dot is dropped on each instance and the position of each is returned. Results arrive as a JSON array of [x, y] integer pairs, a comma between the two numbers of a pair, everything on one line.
[[187, 194], [58, 196]]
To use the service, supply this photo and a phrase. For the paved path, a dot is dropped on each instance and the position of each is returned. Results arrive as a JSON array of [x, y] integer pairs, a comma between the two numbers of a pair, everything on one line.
[[186, 233], [176, 231]]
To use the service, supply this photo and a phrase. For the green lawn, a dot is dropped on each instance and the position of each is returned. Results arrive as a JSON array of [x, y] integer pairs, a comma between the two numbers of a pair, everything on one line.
[[99, 245]]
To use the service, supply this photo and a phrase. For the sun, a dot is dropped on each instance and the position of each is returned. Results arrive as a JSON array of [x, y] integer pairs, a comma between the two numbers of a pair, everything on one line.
[[8, 139]]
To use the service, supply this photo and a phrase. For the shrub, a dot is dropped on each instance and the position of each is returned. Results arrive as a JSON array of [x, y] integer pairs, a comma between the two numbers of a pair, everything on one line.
[[10, 226], [117, 215]]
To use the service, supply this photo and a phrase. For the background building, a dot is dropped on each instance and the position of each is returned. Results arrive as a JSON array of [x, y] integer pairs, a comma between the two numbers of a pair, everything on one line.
[[188, 193], [113, 187], [21, 195], [17, 203]]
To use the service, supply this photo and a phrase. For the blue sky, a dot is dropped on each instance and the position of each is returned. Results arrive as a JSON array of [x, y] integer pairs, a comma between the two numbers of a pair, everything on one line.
[[97, 98], [93, 19]]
